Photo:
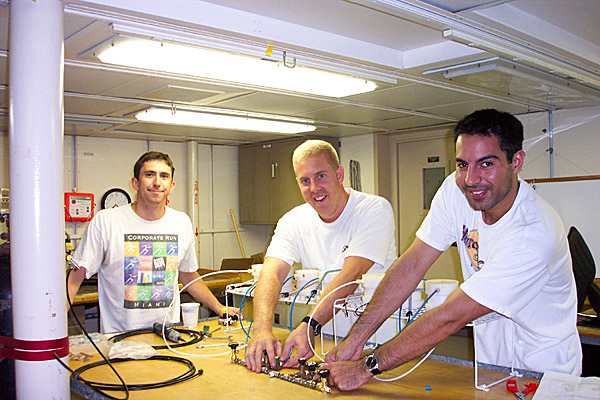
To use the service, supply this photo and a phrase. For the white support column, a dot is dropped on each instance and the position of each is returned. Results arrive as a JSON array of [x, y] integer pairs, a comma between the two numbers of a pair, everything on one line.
[[36, 199]]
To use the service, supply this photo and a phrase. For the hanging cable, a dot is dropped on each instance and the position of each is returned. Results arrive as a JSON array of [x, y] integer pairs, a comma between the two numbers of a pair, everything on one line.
[[122, 385]]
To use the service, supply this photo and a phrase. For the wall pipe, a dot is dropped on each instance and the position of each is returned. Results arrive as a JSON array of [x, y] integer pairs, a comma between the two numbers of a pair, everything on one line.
[[551, 143], [36, 183], [192, 176]]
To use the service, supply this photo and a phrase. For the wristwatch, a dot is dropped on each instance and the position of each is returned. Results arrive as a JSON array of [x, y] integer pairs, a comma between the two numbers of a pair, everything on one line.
[[372, 364], [315, 325]]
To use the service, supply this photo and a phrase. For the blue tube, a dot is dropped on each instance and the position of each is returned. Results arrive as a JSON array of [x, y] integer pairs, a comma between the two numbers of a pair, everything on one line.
[[420, 308], [240, 312], [296, 296]]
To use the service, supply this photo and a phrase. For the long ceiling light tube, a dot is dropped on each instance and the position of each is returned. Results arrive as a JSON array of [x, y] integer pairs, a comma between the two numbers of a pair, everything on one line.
[[221, 121], [210, 40], [225, 66]]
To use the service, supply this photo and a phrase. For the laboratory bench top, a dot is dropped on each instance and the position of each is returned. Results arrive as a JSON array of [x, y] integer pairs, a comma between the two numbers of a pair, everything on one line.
[[223, 379]]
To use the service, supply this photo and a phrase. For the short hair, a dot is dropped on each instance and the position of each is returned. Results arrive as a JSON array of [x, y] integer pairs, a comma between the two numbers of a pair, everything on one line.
[[150, 156], [314, 148], [489, 122]]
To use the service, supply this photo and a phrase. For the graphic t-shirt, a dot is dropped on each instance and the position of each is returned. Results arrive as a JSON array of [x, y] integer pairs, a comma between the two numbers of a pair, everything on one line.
[[137, 262]]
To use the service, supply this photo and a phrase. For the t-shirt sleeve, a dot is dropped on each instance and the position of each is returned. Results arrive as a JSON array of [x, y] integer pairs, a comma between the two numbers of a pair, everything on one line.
[[283, 244], [438, 228], [511, 277], [90, 249], [374, 232]]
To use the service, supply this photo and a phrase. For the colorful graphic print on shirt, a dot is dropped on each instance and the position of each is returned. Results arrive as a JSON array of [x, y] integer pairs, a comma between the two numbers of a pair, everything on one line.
[[471, 241], [150, 270]]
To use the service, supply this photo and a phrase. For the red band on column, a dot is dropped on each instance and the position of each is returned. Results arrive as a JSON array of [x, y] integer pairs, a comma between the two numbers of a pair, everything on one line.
[[33, 350]]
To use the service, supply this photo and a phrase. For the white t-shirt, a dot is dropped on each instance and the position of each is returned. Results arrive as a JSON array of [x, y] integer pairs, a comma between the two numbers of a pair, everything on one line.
[[365, 228], [520, 267], [137, 262]]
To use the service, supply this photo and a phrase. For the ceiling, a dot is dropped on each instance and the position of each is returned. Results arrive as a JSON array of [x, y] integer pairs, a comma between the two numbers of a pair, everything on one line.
[[401, 40]]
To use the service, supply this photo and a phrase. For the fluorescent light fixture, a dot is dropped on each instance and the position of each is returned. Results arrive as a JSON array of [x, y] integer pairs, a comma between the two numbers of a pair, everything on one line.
[[225, 66], [515, 69], [221, 121], [526, 53]]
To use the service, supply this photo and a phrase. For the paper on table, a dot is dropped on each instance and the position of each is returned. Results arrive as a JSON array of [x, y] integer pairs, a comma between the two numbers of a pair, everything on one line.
[[555, 385]]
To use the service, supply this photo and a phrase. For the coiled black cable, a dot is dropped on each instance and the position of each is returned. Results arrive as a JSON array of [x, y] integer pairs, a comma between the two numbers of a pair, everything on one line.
[[196, 336], [189, 374]]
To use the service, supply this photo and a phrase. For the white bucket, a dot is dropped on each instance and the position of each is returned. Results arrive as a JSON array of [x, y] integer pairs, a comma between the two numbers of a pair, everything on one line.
[[416, 299], [256, 271], [444, 288], [288, 286], [369, 284], [303, 276]]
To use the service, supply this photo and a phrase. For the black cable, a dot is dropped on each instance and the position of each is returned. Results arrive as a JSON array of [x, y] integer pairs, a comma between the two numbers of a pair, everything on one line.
[[196, 336], [189, 374], [123, 384]]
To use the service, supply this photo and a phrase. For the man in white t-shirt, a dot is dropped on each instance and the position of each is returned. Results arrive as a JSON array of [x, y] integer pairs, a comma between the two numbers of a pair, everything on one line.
[[515, 261], [140, 252], [336, 229]]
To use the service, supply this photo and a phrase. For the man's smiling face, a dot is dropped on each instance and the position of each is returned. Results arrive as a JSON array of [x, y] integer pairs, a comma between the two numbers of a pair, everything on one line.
[[321, 186], [484, 175]]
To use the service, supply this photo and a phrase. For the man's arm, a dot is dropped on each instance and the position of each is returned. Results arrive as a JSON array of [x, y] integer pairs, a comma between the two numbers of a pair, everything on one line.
[[202, 293], [266, 296], [354, 267], [398, 283], [419, 337], [76, 276]]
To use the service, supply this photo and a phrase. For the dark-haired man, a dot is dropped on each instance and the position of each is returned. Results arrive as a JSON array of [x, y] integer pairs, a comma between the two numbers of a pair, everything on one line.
[[515, 261], [140, 252]]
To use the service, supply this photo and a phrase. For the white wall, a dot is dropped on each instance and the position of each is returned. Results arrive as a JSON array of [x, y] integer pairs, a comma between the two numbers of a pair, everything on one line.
[[576, 143], [359, 148], [101, 164]]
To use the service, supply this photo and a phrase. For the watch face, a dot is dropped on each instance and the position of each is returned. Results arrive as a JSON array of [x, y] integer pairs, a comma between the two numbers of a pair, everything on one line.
[[115, 198], [371, 361]]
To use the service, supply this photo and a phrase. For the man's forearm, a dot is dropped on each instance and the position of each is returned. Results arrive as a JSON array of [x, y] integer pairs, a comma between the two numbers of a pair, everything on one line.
[[76, 276], [266, 297], [429, 330], [396, 286]]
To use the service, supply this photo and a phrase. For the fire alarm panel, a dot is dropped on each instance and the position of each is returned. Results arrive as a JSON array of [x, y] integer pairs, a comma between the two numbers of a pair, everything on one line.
[[79, 206]]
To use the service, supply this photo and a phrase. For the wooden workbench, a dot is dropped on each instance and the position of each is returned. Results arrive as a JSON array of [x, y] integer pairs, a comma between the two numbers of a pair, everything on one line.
[[224, 380]]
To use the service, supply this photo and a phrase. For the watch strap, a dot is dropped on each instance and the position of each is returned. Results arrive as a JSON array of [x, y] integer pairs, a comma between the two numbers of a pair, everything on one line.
[[314, 324]]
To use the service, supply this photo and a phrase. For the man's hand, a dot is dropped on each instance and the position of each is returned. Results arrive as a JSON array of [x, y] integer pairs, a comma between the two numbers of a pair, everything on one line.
[[260, 341], [348, 375], [345, 351], [299, 341], [231, 310]]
